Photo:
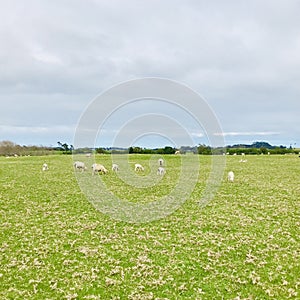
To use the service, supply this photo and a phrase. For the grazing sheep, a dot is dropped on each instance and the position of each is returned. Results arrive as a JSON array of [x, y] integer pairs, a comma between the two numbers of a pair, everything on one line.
[[161, 162], [161, 171], [88, 155], [230, 176], [45, 167], [115, 168], [79, 165], [97, 168], [177, 152], [138, 167]]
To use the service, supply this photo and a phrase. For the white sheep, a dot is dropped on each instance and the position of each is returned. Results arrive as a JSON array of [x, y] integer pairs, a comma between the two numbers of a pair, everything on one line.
[[230, 176], [138, 167], [79, 165], [161, 162], [161, 171], [97, 168], [115, 168], [177, 152], [45, 167]]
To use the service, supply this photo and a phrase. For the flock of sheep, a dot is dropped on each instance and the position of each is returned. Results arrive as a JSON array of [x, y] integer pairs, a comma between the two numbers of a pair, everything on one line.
[[98, 168]]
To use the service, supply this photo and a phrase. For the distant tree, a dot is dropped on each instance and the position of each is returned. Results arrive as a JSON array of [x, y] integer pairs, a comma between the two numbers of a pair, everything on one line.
[[148, 151], [65, 148], [169, 150], [135, 150], [7, 148], [263, 150], [205, 150], [102, 151], [159, 151]]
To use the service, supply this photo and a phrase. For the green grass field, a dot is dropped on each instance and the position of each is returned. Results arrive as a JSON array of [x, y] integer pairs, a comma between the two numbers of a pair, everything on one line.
[[243, 245]]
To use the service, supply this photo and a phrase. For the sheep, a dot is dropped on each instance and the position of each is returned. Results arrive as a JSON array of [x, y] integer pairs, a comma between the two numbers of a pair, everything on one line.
[[161, 162], [230, 176], [115, 168], [45, 167], [243, 160], [79, 165], [161, 171], [97, 168], [177, 152], [138, 167]]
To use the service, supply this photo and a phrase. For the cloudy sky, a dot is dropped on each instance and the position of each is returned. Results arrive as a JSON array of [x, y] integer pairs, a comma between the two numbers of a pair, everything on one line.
[[242, 57]]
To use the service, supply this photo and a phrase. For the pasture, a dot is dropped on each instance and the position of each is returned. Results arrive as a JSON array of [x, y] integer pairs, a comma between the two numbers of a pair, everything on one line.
[[243, 245]]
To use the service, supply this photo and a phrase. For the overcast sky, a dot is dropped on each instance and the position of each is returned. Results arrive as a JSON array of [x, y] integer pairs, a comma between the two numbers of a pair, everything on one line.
[[243, 57]]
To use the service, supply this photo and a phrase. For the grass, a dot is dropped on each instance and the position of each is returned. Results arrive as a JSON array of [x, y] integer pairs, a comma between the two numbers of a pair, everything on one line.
[[243, 245]]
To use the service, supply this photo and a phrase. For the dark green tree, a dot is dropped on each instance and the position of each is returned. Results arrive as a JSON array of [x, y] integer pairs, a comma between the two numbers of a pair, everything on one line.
[[169, 150], [65, 148]]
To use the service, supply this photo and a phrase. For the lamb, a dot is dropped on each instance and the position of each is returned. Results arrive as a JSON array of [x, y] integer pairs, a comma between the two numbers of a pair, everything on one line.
[[115, 168], [45, 167], [161, 171], [97, 168], [230, 176], [138, 167], [161, 162], [79, 165]]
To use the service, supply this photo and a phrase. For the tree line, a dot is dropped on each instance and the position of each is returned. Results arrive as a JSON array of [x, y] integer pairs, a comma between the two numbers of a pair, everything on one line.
[[8, 148]]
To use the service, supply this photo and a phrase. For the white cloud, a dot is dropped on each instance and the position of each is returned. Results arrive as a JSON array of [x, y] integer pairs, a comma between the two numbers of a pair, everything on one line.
[[197, 134], [250, 133], [10, 129]]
